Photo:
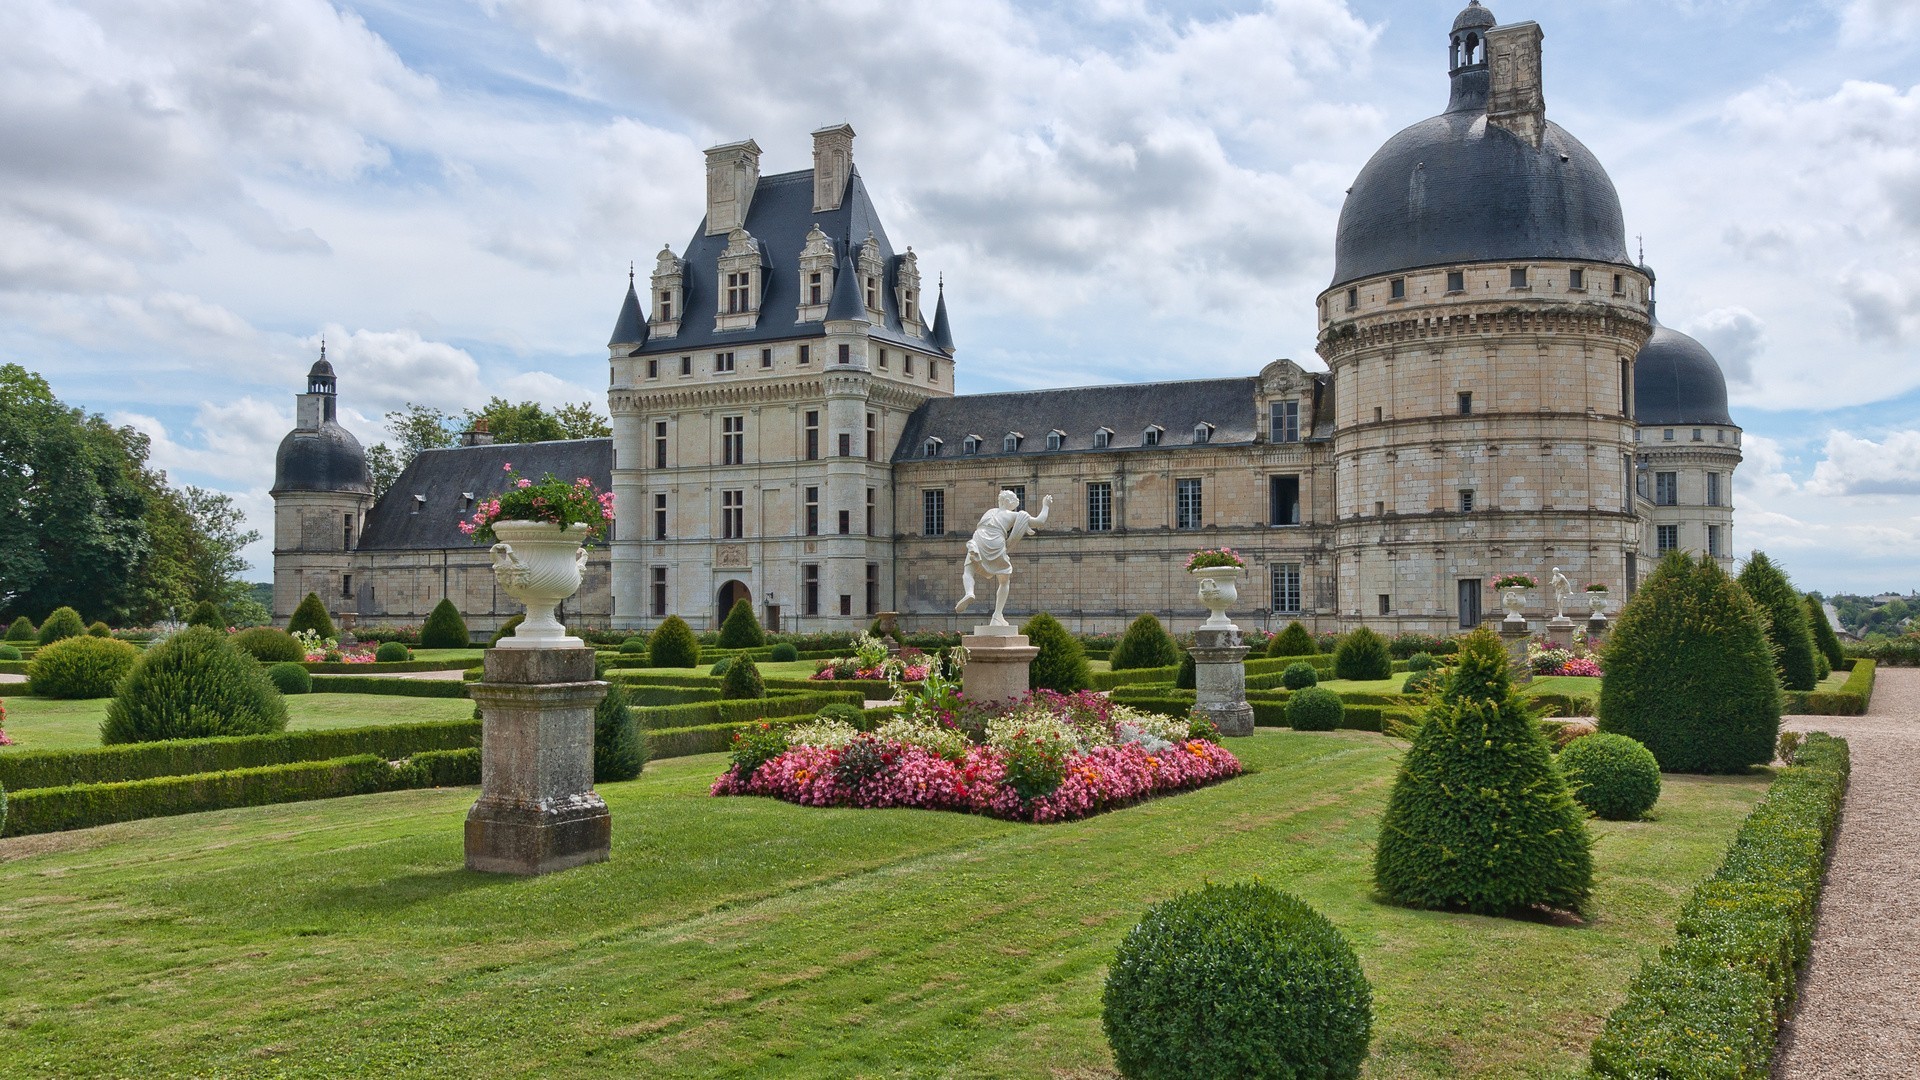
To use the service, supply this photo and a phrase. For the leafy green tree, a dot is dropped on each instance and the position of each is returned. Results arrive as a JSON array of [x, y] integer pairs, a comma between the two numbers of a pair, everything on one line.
[[1146, 644], [579, 421], [1293, 641], [1786, 623], [444, 628], [672, 645], [741, 630], [619, 744], [742, 681], [62, 624], [1363, 656], [1062, 663], [312, 615], [1824, 639]]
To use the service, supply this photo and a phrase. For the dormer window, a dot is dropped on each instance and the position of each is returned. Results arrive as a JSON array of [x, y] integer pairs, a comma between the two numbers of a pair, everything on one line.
[[1202, 433], [664, 311], [1152, 435], [1011, 442], [930, 448], [1102, 438], [873, 273], [906, 291], [742, 281], [816, 276], [1056, 439], [419, 503], [971, 445], [739, 293], [816, 289], [669, 293]]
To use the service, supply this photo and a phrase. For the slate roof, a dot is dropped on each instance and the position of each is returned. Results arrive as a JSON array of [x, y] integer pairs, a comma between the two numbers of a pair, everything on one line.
[[329, 459], [631, 329], [398, 522], [780, 217], [1127, 408], [1677, 381]]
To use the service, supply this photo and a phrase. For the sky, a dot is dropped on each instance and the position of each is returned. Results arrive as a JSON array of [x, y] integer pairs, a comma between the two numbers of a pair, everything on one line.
[[194, 193]]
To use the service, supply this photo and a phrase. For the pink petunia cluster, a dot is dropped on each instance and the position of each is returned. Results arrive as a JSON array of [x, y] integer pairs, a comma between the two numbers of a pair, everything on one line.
[[1585, 666]]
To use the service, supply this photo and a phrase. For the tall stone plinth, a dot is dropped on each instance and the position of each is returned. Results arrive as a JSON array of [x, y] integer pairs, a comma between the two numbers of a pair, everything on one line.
[[1560, 632], [1220, 680], [1515, 635], [537, 810], [1597, 627], [997, 664]]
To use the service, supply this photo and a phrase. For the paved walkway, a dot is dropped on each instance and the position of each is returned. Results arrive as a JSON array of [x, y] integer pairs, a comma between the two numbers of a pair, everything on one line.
[[1859, 1010]]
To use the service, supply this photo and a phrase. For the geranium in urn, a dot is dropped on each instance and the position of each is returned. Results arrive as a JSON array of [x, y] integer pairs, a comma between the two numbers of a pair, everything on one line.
[[540, 533], [1513, 590], [1219, 571]]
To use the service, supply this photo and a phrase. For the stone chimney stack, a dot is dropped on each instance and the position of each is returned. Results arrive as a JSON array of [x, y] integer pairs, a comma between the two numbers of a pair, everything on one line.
[[832, 166], [1515, 99], [733, 171], [478, 435]]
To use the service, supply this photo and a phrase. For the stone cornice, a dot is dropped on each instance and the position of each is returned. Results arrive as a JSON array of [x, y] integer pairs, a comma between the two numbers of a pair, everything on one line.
[[1511, 322]]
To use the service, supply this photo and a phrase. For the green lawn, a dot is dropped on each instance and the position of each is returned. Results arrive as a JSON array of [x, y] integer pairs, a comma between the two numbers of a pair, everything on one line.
[[46, 724], [748, 937], [469, 655], [1577, 685], [790, 669]]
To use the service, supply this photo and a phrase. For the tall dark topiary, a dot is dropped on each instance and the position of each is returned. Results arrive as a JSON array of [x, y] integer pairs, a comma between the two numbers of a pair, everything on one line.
[[1188, 677], [1479, 819], [1690, 672], [1363, 656], [672, 644], [63, 623], [193, 685], [619, 745], [444, 628], [1787, 627], [22, 629], [742, 681], [1293, 641], [1062, 663], [205, 614], [1824, 639], [1146, 644], [741, 630], [312, 615]]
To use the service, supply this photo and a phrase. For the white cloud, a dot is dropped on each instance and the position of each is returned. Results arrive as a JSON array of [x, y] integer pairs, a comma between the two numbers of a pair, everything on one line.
[[1735, 336], [1763, 469], [385, 369], [1856, 466], [1869, 22]]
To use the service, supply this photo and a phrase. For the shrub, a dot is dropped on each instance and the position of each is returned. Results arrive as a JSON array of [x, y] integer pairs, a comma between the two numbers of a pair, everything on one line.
[[1612, 775], [1188, 677], [1062, 663], [1146, 644], [99, 629], [1690, 673], [8, 652], [1825, 641], [1420, 661], [3, 810], [1236, 981], [269, 646], [1407, 646], [755, 746], [619, 746], [1786, 622], [741, 630], [312, 615], [506, 630], [636, 645], [62, 624], [22, 629], [1315, 709], [205, 614], [742, 681], [673, 645], [444, 628], [1363, 657], [1479, 818], [784, 653], [290, 678], [846, 714], [193, 685], [720, 666], [80, 667], [1293, 641], [1299, 677], [392, 652]]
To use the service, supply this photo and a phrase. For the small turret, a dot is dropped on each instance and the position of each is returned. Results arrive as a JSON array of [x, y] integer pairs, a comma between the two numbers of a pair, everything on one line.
[[846, 303], [630, 330], [942, 333]]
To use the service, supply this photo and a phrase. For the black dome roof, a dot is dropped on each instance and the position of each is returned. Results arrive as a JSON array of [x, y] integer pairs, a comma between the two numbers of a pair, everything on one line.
[[329, 459], [1677, 381], [320, 366], [1473, 16]]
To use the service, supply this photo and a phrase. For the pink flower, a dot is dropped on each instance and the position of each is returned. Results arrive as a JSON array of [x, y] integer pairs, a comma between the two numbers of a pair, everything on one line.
[[508, 467], [524, 483]]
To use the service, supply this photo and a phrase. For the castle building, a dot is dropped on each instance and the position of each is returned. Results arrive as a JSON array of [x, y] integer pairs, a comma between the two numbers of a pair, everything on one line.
[[1498, 399]]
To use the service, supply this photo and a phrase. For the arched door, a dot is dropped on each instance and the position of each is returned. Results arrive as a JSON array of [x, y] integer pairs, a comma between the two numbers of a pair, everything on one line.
[[730, 593]]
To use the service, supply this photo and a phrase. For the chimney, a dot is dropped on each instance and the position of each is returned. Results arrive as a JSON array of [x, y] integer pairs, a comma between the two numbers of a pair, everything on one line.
[[477, 435], [1515, 100], [832, 166], [733, 171]]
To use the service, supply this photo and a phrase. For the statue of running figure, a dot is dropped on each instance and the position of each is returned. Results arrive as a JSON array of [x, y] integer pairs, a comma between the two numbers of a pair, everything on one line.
[[993, 540]]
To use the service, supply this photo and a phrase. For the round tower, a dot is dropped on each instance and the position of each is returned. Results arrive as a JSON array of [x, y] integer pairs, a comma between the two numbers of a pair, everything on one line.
[[321, 491], [1688, 445], [1481, 328]]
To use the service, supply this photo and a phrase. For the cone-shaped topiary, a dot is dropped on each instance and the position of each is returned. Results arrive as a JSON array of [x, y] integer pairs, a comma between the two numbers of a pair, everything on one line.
[[742, 681], [720, 666], [312, 615], [1315, 709], [1787, 627], [786, 652], [1611, 775], [1480, 819], [63, 623], [269, 646], [506, 629], [99, 629], [205, 614], [80, 667], [290, 678], [672, 644], [1293, 641], [392, 652], [1824, 639], [444, 628], [193, 685], [1236, 981], [1690, 672], [1062, 663], [1146, 644], [619, 746], [1188, 677], [1362, 656], [1299, 676], [741, 630], [22, 629]]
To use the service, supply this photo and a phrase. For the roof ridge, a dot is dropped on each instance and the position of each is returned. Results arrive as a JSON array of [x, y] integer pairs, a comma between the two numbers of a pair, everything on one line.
[[1107, 386]]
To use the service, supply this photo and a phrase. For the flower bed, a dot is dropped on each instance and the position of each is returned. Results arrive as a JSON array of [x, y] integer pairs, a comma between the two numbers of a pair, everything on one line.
[[871, 662], [1545, 658]]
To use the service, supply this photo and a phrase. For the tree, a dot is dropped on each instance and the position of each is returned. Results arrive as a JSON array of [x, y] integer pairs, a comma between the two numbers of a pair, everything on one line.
[[383, 467], [1786, 623], [444, 628], [1824, 639], [195, 684], [742, 680], [672, 644], [205, 614], [579, 421], [619, 746], [415, 428], [1480, 819], [741, 630], [311, 615], [1062, 663], [1146, 644], [62, 624]]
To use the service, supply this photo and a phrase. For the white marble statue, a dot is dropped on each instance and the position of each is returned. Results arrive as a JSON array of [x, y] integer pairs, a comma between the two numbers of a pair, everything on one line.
[[989, 551], [1562, 591]]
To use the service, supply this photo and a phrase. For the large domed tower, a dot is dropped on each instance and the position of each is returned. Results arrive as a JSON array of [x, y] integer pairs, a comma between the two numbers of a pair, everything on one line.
[[1481, 327], [321, 490], [1689, 446]]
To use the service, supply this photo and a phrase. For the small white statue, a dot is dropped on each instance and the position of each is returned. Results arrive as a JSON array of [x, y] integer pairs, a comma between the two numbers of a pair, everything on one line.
[[1562, 590], [989, 550]]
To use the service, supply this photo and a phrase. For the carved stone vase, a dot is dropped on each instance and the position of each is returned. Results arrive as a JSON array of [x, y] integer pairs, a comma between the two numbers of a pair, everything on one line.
[[1514, 600], [539, 563], [1597, 603], [1218, 591]]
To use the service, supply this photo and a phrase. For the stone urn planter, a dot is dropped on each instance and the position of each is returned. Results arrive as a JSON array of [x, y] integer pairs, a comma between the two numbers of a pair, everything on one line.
[[539, 563], [1219, 589], [1514, 600], [1597, 603]]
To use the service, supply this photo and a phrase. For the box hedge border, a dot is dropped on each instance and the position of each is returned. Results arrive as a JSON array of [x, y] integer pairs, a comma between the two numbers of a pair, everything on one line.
[[389, 686], [1853, 698]]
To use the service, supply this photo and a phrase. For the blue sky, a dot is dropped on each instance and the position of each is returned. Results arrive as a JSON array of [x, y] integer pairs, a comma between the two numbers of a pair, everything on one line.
[[197, 191]]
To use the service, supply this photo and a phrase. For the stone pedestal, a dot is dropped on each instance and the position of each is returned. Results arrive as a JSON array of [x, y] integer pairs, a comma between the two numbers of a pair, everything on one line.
[[997, 664], [537, 810], [1515, 637], [1597, 627], [1560, 631], [1220, 680]]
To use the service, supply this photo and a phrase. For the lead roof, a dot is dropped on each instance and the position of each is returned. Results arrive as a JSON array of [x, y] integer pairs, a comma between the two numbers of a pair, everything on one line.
[[400, 522], [1127, 409]]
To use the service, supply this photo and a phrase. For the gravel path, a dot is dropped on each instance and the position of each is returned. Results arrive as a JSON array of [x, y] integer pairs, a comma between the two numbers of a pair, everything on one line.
[[1859, 1009]]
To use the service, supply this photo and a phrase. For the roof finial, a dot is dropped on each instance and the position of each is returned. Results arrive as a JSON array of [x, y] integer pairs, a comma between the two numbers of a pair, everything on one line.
[[323, 348], [629, 271], [1642, 241]]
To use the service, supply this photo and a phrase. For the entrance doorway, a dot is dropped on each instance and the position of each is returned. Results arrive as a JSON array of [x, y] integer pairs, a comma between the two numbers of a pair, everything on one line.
[[1469, 603], [731, 593]]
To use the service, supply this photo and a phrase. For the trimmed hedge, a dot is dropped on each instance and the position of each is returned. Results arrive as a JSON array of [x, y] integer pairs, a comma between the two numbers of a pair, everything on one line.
[[672, 645], [1362, 656], [62, 624], [1853, 698], [22, 629], [726, 712], [742, 680], [444, 628], [80, 667], [392, 652], [374, 684], [336, 667], [1314, 709], [193, 685], [290, 678], [1293, 641], [741, 630], [1709, 1005], [1061, 664], [706, 738], [1107, 680], [1786, 621], [1611, 775]]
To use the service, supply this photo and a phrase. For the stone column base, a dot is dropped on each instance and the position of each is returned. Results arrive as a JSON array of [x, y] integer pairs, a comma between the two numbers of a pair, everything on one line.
[[997, 665], [1560, 632], [1515, 637], [1220, 680], [1597, 627], [537, 810], [507, 838]]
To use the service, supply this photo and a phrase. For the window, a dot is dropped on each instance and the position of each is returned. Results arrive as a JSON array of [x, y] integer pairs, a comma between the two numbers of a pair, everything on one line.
[[1283, 500], [686, 365], [1386, 604], [1633, 572], [873, 293], [1102, 438], [660, 516], [846, 353], [1713, 540], [1713, 489], [1466, 500], [930, 448], [1576, 279], [846, 444], [1619, 284], [815, 289], [971, 445], [1284, 418], [346, 528], [1186, 504], [811, 503], [1626, 482], [1397, 289], [1056, 439], [1666, 435], [766, 358], [1666, 538], [933, 371], [846, 522], [1469, 591], [723, 362], [873, 436], [846, 604], [810, 589], [906, 363], [1517, 278], [666, 305], [1019, 494], [1464, 402], [933, 512], [1285, 579], [1378, 414], [1720, 435], [883, 359], [659, 592], [1353, 299], [659, 444], [872, 504], [733, 515], [1202, 433], [653, 368], [1456, 281], [1010, 443], [739, 293], [806, 354], [1100, 507], [1626, 389], [346, 586], [1666, 489], [1152, 436], [1699, 436], [813, 435], [873, 588], [733, 440]]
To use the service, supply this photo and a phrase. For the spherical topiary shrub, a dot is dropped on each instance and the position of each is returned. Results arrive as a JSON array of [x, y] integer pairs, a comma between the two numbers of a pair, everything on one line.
[[80, 667], [444, 628], [193, 685], [392, 652], [619, 745], [1612, 775], [205, 614], [269, 646], [846, 714], [1062, 663], [1293, 641], [1315, 709], [290, 678], [1363, 657], [1146, 644], [1188, 677], [99, 629], [786, 653], [1787, 628], [635, 645], [312, 615], [741, 630], [1300, 676], [720, 666], [506, 630], [1422, 681], [673, 645], [63, 623], [1420, 661], [22, 629], [742, 681], [1236, 981], [8, 652]]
